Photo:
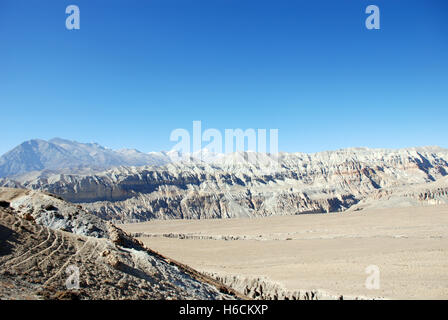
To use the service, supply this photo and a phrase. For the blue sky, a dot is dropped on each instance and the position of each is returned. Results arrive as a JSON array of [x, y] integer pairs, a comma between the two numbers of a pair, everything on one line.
[[136, 70]]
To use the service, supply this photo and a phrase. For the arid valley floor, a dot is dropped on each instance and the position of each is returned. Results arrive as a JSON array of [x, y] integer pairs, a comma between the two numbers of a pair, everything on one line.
[[324, 252]]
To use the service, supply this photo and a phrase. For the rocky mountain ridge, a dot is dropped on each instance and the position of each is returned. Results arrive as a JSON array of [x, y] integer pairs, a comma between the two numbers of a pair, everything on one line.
[[250, 185]]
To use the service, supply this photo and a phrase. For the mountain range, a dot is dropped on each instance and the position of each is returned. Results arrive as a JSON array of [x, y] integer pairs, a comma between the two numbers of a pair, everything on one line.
[[133, 186]]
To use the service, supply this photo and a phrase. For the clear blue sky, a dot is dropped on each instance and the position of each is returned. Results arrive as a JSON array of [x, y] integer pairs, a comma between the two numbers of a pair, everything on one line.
[[138, 69]]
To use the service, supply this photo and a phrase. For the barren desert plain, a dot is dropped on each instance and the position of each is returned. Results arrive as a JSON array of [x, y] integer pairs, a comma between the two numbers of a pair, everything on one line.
[[326, 254]]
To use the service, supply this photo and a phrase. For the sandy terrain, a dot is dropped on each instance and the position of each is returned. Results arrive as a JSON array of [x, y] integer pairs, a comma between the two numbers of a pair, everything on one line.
[[328, 252]]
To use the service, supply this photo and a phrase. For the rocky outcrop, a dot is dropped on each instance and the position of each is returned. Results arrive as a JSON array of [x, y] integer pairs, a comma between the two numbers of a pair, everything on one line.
[[53, 212], [236, 186]]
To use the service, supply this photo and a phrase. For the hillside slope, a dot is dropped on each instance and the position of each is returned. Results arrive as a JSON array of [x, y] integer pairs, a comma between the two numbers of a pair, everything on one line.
[[35, 254]]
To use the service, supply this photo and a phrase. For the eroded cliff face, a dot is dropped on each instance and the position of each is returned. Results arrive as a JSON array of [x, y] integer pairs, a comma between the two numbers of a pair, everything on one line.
[[236, 186], [260, 288]]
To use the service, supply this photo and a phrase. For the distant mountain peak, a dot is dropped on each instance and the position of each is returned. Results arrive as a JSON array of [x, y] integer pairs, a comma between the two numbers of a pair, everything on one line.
[[58, 153], [59, 140]]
